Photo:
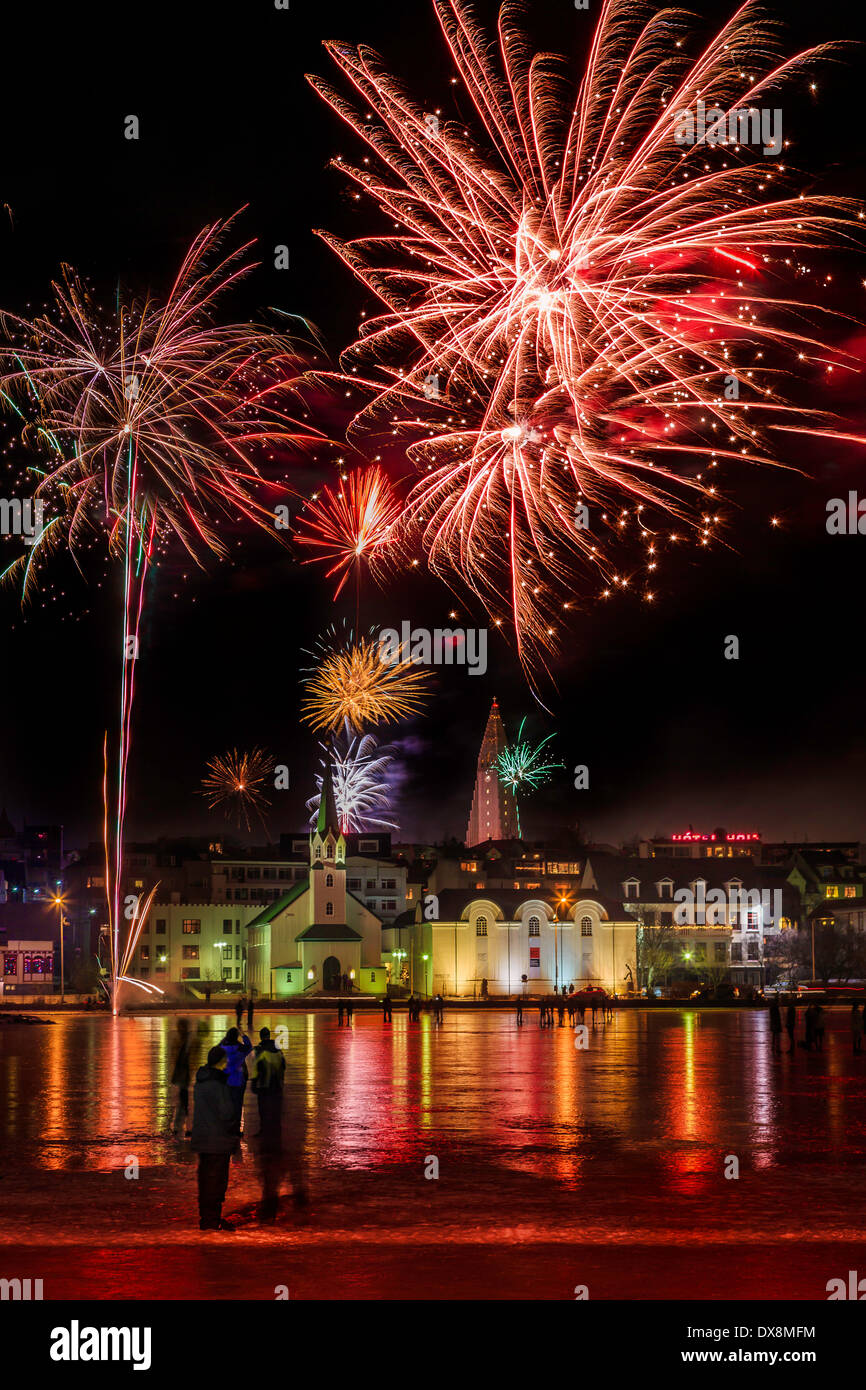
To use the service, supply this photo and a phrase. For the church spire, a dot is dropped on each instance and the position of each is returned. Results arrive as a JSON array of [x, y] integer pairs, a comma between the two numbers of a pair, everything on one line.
[[493, 813], [328, 818]]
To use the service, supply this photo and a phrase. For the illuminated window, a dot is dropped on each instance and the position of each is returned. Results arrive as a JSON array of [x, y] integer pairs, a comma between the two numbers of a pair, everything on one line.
[[586, 926], [534, 927], [189, 952], [329, 881], [832, 890], [481, 926], [191, 926], [850, 891]]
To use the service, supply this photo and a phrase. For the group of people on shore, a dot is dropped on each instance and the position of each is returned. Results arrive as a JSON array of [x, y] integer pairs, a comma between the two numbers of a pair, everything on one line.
[[815, 1023], [568, 1002], [220, 1087]]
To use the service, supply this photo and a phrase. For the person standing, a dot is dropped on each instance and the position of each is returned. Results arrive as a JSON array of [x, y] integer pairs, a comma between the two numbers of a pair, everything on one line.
[[341, 1009], [439, 1008], [214, 1139], [519, 1009], [791, 1023], [250, 1010], [411, 1008], [349, 1008], [560, 1009], [810, 1027], [180, 1078], [239, 1010], [856, 1028], [236, 1047], [775, 1026], [268, 1070], [387, 1011]]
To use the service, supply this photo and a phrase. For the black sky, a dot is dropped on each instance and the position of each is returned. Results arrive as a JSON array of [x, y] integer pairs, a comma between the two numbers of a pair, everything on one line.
[[673, 733]]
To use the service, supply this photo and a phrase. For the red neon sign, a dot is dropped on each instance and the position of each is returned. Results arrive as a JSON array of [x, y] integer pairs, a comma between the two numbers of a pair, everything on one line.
[[740, 835]]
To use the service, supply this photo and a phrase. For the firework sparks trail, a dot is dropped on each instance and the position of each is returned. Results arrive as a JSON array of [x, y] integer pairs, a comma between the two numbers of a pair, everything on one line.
[[352, 684], [351, 524], [153, 417], [235, 783], [359, 770], [523, 767], [564, 266]]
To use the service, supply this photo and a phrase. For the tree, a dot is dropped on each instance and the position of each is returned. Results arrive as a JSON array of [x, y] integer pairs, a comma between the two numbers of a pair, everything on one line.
[[657, 949]]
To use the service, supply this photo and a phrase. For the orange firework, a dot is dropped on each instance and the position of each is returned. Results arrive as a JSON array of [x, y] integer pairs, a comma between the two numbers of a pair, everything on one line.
[[235, 782], [354, 685], [584, 298], [352, 524]]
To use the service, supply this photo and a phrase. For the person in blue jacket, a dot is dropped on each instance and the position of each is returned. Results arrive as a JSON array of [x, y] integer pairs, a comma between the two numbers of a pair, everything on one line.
[[237, 1046]]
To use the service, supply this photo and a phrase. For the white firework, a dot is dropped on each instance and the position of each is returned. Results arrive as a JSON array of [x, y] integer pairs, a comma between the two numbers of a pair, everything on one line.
[[359, 774]]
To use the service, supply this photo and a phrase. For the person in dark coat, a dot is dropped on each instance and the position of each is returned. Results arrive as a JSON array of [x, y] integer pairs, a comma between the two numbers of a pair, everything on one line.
[[411, 1008], [387, 1010], [341, 1009], [180, 1078], [349, 1008], [439, 1008], [791, 1023], [239, 1010], [519, 1008], [237, 1048], [268, 1067], [250, 1011], [214, 1139], [775, 1026]]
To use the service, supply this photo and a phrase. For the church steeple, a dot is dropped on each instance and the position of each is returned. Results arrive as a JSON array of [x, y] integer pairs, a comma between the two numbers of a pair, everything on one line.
[[327, 844], [493, 814]]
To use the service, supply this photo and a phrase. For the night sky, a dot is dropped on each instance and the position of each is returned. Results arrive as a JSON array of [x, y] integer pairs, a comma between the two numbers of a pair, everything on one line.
[[673, 734]]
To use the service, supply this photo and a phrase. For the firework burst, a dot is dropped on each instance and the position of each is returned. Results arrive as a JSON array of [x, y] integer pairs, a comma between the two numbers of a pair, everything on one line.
[[352, 524], [524, 767], [151, 421], [353, 685], [235, 783], [359, 771], [569, 293]]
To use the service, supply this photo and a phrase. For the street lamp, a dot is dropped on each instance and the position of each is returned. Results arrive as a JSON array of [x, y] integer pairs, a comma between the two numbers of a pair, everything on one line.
[[425, 959], [60, 903]]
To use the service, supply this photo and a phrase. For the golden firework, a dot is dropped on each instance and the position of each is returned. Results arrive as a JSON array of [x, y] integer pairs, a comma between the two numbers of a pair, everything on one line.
[[356, 685]]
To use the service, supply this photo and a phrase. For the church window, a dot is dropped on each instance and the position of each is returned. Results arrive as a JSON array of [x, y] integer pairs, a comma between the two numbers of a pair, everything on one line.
[[586, 926], [534, 927], [329, 881], [329, 909], [481, 926]]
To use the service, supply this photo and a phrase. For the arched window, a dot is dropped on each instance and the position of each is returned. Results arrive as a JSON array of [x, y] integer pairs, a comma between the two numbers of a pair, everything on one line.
[[329, 880], [481, 926], [329, 909], [534, 927], [586, 926], [318, 851]]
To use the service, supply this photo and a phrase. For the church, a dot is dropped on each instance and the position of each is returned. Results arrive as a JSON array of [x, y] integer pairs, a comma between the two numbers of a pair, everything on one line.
[[318, 933]]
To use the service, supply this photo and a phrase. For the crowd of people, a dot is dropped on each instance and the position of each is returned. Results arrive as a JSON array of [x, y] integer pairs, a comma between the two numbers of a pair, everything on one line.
[[218, 1109]]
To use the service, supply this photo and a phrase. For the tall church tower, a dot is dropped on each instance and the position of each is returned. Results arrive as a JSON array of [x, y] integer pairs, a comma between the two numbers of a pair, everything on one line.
[[327, 859], [493, 815]]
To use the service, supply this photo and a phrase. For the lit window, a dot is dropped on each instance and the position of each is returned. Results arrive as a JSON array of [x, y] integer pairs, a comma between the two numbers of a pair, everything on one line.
[[481, 926], [534, 927], [586, 926]]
